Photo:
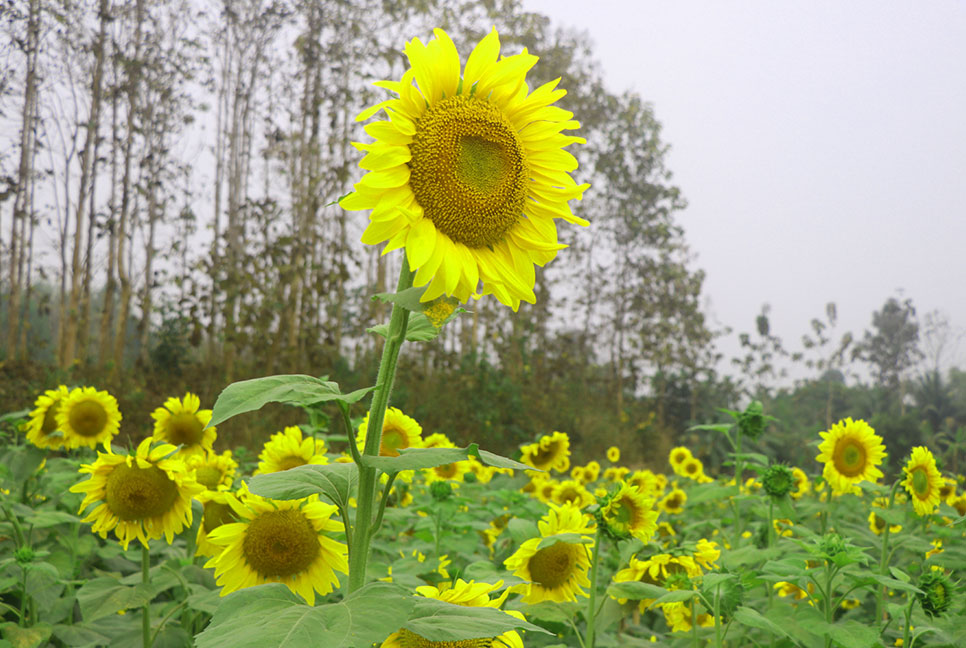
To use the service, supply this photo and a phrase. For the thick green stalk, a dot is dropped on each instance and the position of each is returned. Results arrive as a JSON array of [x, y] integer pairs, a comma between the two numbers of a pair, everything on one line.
[[146, 611], [884, 561], [592, 604], [398, 320]]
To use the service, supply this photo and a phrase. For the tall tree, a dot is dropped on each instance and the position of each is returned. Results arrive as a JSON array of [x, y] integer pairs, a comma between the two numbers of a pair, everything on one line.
[[891, 347]]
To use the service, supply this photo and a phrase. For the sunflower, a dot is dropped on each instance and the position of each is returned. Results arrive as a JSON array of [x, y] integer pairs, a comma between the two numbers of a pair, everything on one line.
[[557, 572], [678, 616], [947, 491], [851, 451], [213, 471], [42, 430], [144, 496], [628, 513], [550, 452], [673, 503], [470, 594], [279, 541], [613, 454], [447, 472], [574, 492], [677, 457], [923, 481], [877, 524], [802, 484], [288, 449], [88, 417], [660, 569], [217, 511], [707, 553], [616, 473], [182, 423], [591, 472], [647, 482], [693, 468], [469, 173], [398, 433]]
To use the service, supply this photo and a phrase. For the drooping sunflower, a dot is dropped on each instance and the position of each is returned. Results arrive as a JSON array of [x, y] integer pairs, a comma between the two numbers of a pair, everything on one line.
[[677, 457], [613, 454], [288, 449], [142, 496], [557, 572], [279, 541], [398, 433], [88, 417], [180, 422], [550, 452], [923, 480], [213, 471], [628, 513], [673, 503], [851, 451], [42, 430], [469, 172], [470, 594]]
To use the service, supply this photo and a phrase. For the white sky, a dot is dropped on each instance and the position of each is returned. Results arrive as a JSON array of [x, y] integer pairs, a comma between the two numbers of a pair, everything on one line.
[[821, 146]]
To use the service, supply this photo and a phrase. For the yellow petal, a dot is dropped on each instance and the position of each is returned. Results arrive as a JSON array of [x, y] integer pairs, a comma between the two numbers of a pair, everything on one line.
[[420, 243]]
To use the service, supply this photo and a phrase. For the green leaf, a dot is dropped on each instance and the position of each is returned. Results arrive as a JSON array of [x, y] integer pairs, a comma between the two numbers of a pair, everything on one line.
[[30, 637], [271, 615], [753, 619], [869, 579], [46, 519], [14, 416], [710, 493], [336, 481], [636, 590], [296, 389], [408, 299], [713, 427], [79, 635], [105, 596], [441, 621], [890, 516], [716, 578], [675, 597], [851, 634], [418, 458], [571, 538], [552, 611], [901, 575]]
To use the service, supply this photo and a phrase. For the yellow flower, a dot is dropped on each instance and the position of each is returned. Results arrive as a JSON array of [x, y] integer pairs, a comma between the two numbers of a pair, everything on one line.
[[287, 449], [613, 454], [677, 457], [557, 572], [470, 594], [693, 469], [851, 451], [42, 430], [616, 473], [923, 481], [213, 471], [647, 482], [877, 524], [550, 452], [88, 417], [398, 433], [279, 541], [673, 503], [447, 472], [791, 589], [142, 496], [802, 484], [947, 492], [180, 422], [574, 492], [937, 548], [656, 570], [591, 472], [469, 173], [678, 617], [628, 513], [707, 553], [851, 603], [217, 511]]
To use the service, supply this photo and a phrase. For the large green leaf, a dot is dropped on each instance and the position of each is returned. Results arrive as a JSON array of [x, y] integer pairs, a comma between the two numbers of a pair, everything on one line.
[[30, 637], [335, 481], [270, 615], [636, 590], [105, 596], [571, 538], [753, 619], [408, 298], [440, 621], [417, 458], [295, 389]]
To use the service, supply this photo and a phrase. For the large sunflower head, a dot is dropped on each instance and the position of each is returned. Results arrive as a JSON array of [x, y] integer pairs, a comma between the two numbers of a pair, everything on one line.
[[42, 430], [276, 541], [550, 452], [288, 449], [213, 471], [851, 451], [88, 417], [557, 572], [923, 481], [398, 433], [469, 172], [628, 513], [180, 422], [470, 594], [144, 496]]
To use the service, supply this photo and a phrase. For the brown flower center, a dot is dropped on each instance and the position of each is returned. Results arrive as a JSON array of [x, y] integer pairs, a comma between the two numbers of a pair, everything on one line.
[[408, 639], [849, 457], [185, 429], [554, 565], [215, 515], [88, 418], [138, 493], [279, 544]]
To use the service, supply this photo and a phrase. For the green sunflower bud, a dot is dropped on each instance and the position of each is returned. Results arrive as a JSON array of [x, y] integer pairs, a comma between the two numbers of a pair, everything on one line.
[[832, 545], [778, 481], [752, 421], [441, 491], [24, 555], [937, 593], [730, 594]]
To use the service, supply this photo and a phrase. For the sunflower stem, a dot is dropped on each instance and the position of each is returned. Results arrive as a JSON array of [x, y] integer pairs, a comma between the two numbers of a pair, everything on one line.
[[591, 605], [398, 320], [146, 610], [884, 560], [386, 491]]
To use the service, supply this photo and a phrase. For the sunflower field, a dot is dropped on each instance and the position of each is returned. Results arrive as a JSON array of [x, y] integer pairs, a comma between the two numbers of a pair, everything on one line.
[[360, 528]]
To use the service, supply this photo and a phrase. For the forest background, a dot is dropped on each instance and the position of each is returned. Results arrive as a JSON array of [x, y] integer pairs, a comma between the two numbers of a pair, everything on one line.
[[168, 173]]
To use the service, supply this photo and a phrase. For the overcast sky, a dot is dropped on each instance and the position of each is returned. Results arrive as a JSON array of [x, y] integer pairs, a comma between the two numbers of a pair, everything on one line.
[[821, 146]]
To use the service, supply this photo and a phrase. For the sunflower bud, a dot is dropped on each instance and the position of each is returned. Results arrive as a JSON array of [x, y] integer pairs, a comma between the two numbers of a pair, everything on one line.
[[778, 481], [441, 491], [24, 555], [831, 545], [752, 421], [937, 593]]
